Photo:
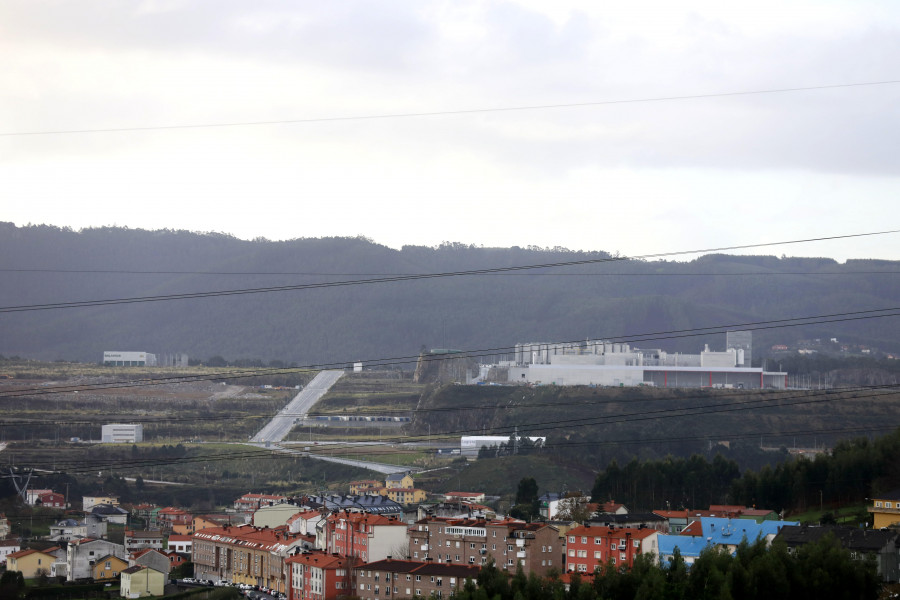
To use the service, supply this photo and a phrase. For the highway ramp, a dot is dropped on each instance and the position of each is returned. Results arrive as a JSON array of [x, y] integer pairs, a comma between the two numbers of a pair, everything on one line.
[[278, 428]]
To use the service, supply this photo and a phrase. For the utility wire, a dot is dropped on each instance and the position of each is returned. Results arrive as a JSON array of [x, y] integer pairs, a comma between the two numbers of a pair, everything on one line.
[[317, 274], [642, 415], [490, 352], [397, 278], [442, 113]]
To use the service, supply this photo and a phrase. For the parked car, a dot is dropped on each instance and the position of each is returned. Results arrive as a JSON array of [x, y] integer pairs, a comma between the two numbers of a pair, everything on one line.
[[188, 580]]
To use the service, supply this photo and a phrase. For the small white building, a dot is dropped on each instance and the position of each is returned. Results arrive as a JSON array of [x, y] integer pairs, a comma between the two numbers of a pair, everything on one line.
[[116, 358], [469, 445], [120, 433]]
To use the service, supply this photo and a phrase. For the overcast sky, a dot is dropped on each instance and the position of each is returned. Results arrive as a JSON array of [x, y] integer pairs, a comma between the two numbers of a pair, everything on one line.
[[632, 177]]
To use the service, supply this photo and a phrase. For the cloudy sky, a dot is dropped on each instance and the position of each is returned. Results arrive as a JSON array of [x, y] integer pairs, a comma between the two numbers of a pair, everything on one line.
[[625, 172]]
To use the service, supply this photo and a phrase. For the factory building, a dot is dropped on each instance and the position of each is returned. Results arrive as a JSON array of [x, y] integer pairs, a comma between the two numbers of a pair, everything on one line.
[[599, 362], [118, 433], [144, 359]]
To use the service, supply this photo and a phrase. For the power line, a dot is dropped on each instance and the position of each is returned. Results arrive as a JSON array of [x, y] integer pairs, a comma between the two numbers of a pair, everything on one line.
[[489, 352], [319, 274], [397, 278], [794, 399], [442, 113]]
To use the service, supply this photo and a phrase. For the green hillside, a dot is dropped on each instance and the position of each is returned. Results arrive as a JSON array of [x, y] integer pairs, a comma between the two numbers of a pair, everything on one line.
[[394, 320]]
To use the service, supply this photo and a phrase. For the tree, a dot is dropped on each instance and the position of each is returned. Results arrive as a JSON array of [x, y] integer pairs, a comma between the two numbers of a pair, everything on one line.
[[574, 508]]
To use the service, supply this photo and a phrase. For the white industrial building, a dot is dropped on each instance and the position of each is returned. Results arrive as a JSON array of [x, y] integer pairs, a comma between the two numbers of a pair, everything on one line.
[[469, 445], [128, 359], [116, 358], [118, 433], [599, 362]]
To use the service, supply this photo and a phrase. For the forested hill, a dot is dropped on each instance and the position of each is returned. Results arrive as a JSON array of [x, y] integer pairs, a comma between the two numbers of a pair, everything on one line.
[[363, 322]]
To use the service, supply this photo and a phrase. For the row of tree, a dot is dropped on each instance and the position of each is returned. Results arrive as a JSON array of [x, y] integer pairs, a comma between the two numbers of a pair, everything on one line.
[[850, 473], [819, 571], [673, 482]]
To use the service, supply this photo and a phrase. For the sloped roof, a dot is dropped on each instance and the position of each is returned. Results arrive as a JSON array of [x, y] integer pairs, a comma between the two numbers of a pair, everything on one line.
[[851, 538]]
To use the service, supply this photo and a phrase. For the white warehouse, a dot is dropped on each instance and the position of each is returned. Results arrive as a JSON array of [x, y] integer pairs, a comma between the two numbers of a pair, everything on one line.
[[118, 433], [598, 362]]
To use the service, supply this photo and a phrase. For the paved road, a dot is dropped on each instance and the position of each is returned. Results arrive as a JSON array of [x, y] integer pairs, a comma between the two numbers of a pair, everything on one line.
[[276, 429], [383, 468]]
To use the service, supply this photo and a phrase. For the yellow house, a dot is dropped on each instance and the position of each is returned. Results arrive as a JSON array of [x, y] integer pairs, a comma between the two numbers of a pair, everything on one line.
[[398, 480], [138, 581], [31, 563], [885, 509], [108, 567], [405, 495]]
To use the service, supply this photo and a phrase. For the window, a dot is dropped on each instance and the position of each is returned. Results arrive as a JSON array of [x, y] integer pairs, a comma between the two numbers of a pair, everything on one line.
[[598, 541], [597, 555], [612, 559], [878, 503], [472, 545], [582, 554], [509, 548], [612, 545], [418, 578], [493, 546], [572, 553], [637, 543], [471, 560], [583, 540], [582, 568], [571, 539], [448, 543], [887, 505]]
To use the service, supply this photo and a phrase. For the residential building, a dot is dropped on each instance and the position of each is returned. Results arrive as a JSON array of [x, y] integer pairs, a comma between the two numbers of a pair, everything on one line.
[[365, 536], [69, 529], [110, 513], [8, 547], [589, 548], [409, 579], [885, 509], [253, 502], [204, 521], [318, 576], [51, 500], [534, 546], [551, 504], [89, 502], [376, 505], [83, 554], [274, 515], [471, 497], [244, 554], [718, 532], [155, 559], [142, 540], [33, 495], [304, 522], [883, 545], [365, 486], [398, 480], [139, 581], [4, 526], [175, 520], [405, 495], [31, 563], [108, 567], [634, 520], [176, 559], [121, 433], [180, 543]]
